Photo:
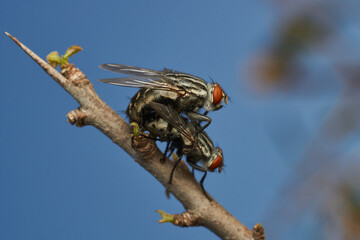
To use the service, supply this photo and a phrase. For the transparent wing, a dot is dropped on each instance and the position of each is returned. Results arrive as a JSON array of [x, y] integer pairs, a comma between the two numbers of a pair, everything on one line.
[[140, 78], [129, 70], [142, 82], [174, 118], [171, 71]]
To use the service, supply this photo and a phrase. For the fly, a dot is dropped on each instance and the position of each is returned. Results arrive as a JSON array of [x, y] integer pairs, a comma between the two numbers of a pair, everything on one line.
[[197, 148], [185, 92]]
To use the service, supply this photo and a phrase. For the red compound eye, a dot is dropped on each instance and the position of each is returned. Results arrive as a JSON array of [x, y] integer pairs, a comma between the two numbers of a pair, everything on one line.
[[217, 94], [216, 163]]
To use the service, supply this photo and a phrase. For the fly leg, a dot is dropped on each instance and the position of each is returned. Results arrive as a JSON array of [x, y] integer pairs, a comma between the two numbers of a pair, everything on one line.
[[194, 166], [152, 138], [201, 118], [166, 151], [173, 169], [202, 186], [171, 150], [168, 141]]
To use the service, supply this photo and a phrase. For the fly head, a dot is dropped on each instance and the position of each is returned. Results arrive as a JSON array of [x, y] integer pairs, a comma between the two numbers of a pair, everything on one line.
[[215, 97]]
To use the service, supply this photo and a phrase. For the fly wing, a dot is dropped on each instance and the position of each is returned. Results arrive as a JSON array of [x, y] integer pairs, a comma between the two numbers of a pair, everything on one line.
[[174, 119], [143, 82], [129, 70], [140, 78]]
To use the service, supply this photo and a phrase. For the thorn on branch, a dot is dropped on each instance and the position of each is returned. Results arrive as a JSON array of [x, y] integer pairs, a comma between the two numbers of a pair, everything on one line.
[[184, 219], [77, 117], [258, 232]]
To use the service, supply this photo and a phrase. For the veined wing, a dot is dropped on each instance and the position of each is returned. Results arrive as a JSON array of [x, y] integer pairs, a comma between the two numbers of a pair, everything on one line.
[[143, 82], [140, 78], [174, 118], [129, 70]]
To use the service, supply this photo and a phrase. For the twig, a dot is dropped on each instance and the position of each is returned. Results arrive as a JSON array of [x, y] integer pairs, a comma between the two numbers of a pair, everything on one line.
[[94, 111]]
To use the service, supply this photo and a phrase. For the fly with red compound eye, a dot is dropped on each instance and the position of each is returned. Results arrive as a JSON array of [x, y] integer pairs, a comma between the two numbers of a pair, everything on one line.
[[183, 136], [185, 92]]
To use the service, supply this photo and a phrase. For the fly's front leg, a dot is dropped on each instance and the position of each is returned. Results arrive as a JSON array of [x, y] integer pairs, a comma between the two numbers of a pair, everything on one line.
[[197, 167], [202, 185], [195, 116]]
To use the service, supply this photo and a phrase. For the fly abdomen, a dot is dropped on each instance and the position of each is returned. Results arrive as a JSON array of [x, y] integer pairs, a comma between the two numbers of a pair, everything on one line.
[[138, 110]]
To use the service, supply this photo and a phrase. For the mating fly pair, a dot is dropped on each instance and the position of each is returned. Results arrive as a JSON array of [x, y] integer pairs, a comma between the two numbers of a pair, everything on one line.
[[158, 106]]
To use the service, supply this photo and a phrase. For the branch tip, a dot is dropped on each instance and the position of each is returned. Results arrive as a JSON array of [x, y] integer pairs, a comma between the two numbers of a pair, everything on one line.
[[165, 217], [13, 38]]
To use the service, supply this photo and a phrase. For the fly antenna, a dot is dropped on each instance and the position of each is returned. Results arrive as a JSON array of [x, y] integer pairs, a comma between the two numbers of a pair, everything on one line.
[[212, 80]]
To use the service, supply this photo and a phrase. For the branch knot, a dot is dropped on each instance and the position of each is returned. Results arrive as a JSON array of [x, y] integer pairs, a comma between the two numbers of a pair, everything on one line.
[[77, 117], [144, 146], [184, 219], [258, 232], [74, 75]]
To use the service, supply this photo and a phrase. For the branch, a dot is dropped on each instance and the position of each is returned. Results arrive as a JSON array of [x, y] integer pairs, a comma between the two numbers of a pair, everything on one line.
[[94, 111]]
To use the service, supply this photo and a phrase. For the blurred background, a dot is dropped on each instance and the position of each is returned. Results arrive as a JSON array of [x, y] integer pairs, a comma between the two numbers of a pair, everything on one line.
[[290, 134]]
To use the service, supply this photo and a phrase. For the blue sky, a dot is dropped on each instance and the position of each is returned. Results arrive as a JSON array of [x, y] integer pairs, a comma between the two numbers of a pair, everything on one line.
[[62, 182]]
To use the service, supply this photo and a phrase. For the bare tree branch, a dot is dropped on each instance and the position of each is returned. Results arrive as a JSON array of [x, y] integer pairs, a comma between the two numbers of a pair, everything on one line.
[[94, 111]]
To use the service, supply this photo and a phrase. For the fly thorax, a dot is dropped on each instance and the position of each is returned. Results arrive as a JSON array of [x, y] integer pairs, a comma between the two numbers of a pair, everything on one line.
[[167, 94], [194, 91], [189, 103], [204, 146]]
